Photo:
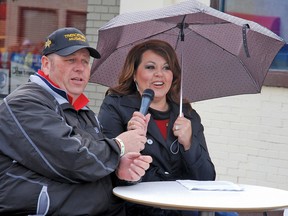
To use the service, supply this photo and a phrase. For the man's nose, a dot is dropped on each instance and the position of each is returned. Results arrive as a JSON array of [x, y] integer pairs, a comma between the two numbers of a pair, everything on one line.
[[79, 66]]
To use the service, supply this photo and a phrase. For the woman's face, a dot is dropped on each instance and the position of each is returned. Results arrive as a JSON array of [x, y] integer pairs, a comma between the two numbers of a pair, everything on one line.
[[154, 73]]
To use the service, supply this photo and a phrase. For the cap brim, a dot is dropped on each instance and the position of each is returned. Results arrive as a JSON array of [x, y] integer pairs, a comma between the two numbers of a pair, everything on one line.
[[69, 50]]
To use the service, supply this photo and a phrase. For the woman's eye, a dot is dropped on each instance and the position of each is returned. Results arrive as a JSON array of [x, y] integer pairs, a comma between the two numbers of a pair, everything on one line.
[[150, 67], [166, 68]]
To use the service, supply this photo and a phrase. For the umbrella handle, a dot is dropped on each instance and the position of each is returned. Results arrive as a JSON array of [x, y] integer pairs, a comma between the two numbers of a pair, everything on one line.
[[181, 84], [180, 108]]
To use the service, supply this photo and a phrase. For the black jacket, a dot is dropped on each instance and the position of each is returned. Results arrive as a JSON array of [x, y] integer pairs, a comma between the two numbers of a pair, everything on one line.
[[54, 160], [116, 111]]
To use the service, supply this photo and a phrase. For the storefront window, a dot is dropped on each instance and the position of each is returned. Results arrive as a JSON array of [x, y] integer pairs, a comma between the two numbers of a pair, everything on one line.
[[24, 24]]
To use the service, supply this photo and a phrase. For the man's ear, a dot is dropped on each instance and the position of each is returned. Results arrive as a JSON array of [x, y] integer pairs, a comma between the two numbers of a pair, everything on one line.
[[45, 64]]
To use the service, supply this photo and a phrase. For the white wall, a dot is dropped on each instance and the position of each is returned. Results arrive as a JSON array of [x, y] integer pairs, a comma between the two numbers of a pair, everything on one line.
[[247, 136]]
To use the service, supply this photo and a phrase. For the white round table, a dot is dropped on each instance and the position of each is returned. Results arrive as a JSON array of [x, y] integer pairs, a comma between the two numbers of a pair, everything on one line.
[[173, 195]]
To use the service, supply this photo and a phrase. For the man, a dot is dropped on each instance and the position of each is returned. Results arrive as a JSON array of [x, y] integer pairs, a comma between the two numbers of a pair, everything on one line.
[[54, 159]]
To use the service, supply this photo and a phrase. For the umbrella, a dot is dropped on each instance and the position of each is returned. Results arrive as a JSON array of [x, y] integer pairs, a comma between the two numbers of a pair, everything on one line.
[[221, 55]]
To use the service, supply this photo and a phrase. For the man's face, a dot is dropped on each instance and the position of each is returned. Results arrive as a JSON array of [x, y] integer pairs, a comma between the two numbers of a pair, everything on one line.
[[71, 73]]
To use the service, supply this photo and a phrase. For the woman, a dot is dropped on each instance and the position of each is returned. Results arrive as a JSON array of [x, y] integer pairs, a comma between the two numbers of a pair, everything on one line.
[[175, 142]]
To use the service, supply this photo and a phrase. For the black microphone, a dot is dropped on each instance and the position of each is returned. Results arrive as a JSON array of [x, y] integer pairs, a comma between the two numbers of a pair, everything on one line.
[[147, 98]]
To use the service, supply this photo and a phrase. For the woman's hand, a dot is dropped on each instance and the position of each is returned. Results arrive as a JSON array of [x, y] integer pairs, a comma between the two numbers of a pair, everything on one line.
[[138, 120], [182, 129]]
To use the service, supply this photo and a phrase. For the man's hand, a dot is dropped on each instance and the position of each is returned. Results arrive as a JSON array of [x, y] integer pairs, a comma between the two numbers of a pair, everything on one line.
[[132, 166], [133, 140]]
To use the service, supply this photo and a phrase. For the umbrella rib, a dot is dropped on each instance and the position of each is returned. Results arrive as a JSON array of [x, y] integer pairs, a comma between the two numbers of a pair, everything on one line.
[[251, 77]]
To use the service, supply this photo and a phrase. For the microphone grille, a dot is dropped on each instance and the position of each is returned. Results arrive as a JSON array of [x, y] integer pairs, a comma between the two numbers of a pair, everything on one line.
[[148, 93]]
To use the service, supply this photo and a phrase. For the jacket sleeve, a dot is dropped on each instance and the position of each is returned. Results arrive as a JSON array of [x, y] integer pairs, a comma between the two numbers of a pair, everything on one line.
[[37, 137], [197, 159]]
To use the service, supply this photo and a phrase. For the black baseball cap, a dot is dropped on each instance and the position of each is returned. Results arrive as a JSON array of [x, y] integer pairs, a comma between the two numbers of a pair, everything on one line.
[[66, 41]]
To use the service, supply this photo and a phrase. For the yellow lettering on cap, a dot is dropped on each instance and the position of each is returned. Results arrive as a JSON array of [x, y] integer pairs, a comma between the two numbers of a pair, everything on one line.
[[48, 43], [75, 37]]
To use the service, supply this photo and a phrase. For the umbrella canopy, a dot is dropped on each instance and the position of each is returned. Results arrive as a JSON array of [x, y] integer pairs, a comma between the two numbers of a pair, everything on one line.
[[221, 55]]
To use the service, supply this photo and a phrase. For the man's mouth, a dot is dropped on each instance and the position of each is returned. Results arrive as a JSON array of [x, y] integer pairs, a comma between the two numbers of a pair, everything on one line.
[[77, 79]]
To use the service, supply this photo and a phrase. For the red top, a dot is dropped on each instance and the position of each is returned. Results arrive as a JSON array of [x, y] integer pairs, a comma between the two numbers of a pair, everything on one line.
[[162, 125]]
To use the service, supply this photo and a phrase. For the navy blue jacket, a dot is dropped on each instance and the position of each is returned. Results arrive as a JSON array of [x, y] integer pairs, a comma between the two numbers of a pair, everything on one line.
[[116, 111]]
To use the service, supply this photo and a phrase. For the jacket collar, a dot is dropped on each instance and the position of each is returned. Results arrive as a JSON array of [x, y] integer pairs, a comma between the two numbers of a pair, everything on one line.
[[60, 95]]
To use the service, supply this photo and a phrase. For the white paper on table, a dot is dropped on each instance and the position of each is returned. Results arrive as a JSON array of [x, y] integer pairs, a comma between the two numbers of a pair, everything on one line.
[[210, 185]]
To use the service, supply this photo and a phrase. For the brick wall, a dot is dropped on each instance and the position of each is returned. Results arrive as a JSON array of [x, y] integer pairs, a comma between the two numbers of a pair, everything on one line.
[[99, 12]]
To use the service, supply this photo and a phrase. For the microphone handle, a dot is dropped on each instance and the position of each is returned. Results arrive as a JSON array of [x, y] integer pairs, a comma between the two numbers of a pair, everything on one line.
[[146, 101]]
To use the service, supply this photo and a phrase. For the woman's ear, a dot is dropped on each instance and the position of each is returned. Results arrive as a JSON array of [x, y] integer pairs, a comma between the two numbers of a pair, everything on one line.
[[136, 84]]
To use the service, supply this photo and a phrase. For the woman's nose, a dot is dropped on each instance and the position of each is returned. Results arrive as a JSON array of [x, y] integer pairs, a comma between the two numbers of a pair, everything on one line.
[[158, 72]]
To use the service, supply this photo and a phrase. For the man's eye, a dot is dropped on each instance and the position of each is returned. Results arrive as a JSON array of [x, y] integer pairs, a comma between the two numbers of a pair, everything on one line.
[[85, 62], [71, 60]]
